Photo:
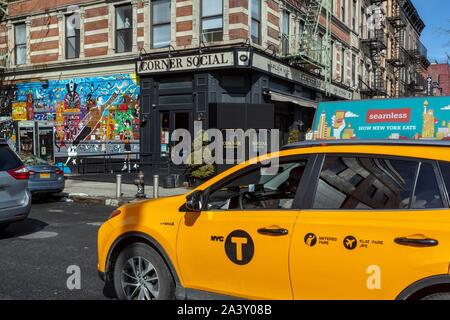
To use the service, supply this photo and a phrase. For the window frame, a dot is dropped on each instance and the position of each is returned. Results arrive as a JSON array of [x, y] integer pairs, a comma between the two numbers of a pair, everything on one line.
[[314, 182], [258, 21], [441, 181], [202, 18], [117, 30], [299, 197], [77, 37], [153, 25], [285, 37], [21, 45]]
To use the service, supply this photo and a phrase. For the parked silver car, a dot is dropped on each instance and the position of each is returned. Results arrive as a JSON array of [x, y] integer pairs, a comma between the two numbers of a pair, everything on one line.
[[45, 178], [15, 198]]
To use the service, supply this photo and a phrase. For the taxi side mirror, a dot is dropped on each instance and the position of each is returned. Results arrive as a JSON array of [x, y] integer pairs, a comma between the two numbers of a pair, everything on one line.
[[194, 201]]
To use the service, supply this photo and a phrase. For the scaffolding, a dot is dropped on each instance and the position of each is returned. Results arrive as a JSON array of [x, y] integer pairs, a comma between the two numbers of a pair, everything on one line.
[[374, 44], [4, 53], [314, 41]]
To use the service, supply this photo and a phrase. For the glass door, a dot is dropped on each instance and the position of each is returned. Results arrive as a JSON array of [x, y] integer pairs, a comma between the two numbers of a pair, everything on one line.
[[171, 121]]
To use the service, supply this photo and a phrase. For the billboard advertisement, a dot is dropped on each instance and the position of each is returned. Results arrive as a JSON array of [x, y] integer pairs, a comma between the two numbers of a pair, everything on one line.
[[425, 118]]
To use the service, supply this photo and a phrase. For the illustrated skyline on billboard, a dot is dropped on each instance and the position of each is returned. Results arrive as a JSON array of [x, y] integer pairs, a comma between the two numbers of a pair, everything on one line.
[[426, 118]]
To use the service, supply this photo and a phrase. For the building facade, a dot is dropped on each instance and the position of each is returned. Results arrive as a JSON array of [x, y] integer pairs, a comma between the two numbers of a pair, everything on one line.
[[440, 79], [99, 71]]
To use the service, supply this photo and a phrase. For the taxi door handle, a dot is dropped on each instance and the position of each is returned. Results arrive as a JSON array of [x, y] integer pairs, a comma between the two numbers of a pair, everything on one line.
[[404, 241], [273, 232]]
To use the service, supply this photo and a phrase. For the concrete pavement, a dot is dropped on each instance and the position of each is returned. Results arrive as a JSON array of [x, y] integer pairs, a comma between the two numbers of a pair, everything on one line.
[[105, 192]]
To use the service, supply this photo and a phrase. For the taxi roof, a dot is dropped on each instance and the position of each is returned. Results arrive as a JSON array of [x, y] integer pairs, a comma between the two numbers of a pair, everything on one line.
[[326, 143]]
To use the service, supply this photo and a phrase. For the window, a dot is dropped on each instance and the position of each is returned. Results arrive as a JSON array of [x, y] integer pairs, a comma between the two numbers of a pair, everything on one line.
[[161, 27], [354, 15], [365, 183], [445, 170], [212, 20], [256, 21], [427, 195], [20, 32], [258, 190], [124, 28], [175, 99], [343, 64], [285, 32], [353, 70], [343, 10], [8, 159], [73, 36]]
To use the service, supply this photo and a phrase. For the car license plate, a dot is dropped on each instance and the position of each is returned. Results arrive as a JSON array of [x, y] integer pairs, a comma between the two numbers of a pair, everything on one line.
[[45, 175]]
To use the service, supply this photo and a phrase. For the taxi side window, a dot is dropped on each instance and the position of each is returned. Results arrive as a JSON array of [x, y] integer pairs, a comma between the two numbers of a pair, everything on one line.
[[427, 194], [445, 170], [362, 183], [260, 189]]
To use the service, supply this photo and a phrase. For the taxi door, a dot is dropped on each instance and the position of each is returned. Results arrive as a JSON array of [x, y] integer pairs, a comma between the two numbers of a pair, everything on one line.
[[241, 250], [365, 236]]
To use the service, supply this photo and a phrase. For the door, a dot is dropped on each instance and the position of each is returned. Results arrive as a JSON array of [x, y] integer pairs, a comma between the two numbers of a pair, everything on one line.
[[377, 225], [172, 120], [239, 245]]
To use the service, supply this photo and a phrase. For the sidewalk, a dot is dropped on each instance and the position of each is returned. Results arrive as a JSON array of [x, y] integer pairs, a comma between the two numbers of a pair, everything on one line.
[[105, 192]]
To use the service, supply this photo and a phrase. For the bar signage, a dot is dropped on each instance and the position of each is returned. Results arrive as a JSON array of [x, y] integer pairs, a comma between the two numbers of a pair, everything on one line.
[[193, 62], [285, 71]]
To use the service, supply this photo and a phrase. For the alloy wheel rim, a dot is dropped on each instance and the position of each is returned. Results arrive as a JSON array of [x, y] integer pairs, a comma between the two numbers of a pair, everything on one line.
[[139, 279]]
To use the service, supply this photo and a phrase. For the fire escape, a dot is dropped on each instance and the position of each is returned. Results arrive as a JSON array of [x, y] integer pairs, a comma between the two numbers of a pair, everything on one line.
[[314, 52], [374, 43], [398, 61]]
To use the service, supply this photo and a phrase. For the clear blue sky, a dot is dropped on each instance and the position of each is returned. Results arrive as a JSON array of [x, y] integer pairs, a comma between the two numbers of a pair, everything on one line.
[[436, 36]]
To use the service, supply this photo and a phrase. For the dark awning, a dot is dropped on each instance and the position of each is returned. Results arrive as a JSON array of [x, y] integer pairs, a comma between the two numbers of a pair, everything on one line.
[[283, 97]]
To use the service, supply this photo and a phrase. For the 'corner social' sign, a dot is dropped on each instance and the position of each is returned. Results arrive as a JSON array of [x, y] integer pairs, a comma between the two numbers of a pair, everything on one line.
[[183, 63]]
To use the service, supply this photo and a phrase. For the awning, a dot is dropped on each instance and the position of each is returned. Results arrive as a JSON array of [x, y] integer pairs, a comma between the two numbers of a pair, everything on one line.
[[283, 97]]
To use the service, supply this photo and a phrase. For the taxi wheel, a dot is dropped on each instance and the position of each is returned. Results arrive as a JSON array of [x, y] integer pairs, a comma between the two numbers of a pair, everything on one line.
[[141, 274], [4, 226], [438, 296]]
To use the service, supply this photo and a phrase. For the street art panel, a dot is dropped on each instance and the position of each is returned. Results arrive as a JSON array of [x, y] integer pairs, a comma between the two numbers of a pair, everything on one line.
[[84, 110], [426, 118]]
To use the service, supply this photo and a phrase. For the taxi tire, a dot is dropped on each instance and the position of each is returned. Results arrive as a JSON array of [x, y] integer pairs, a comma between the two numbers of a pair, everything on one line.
[[4, 226], [166, 282], [438, 296]]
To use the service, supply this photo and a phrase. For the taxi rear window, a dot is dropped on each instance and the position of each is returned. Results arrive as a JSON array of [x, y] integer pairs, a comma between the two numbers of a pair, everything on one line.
[[445, 169]]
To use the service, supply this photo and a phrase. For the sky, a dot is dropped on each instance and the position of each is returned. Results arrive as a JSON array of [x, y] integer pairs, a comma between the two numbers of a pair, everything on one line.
[[436, 36]]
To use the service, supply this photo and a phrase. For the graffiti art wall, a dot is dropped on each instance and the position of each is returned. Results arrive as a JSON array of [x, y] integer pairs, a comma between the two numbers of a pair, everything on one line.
[[84, 110]]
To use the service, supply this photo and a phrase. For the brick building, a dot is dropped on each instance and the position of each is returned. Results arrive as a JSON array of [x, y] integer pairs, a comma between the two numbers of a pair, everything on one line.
[[98, 71], [440, 76]]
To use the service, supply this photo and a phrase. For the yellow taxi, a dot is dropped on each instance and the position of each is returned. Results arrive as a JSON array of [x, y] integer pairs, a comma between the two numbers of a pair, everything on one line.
[[352, 220]]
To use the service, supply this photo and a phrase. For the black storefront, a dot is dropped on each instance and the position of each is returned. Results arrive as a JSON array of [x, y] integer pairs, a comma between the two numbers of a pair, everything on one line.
[[225, 88]]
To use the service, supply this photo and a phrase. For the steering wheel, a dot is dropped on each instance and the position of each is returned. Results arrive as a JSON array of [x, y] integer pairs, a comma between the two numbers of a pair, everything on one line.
[[249, 197]]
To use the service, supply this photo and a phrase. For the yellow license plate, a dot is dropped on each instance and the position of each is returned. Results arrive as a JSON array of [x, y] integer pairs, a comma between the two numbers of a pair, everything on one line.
[[45, 175]]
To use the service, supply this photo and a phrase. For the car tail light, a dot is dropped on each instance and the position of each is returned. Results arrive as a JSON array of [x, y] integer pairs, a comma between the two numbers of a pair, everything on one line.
[[59, 172], [21, 173]]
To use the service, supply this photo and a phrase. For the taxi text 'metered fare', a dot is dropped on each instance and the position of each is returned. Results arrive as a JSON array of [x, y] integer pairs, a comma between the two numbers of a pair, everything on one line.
[[353, 220]]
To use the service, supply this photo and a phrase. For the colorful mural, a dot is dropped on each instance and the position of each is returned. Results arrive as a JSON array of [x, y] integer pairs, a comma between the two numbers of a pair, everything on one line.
[[409, 118], [84, 109]]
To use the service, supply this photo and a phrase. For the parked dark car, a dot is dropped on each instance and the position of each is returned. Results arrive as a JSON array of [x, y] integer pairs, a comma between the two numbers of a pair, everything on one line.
[[44, 178], [15, 198]]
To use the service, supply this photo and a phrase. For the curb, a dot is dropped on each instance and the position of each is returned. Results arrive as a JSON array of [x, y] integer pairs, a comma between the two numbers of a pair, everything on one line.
[[101, 200]]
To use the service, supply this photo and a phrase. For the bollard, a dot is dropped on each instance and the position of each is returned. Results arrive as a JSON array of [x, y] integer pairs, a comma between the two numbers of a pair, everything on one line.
[[119, 186], [140, 184], [155, 187]]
